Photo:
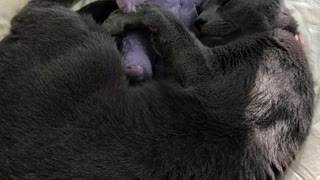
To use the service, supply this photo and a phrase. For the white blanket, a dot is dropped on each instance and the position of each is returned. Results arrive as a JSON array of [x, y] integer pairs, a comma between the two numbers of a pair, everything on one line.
[[307, 13], [8, 9]]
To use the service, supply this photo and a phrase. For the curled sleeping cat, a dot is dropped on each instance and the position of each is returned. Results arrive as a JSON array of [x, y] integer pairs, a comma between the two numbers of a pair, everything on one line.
[[240, 110]]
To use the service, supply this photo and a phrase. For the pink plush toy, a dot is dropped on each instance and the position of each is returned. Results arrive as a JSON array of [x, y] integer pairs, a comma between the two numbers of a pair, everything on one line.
[[137, 55]]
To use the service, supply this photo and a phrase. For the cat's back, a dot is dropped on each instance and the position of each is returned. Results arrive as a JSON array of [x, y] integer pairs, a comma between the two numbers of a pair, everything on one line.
[[267, 87]]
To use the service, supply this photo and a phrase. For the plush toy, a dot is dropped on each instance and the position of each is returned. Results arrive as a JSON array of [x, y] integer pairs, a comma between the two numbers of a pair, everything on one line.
[[137, 55]]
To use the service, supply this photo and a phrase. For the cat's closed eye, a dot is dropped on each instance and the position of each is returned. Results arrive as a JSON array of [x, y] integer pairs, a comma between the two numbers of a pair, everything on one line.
[[224, 3], [199, 9]]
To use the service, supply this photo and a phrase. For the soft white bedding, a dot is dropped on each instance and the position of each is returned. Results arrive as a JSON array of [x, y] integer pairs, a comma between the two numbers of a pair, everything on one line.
[[307, 13], [8, 9]]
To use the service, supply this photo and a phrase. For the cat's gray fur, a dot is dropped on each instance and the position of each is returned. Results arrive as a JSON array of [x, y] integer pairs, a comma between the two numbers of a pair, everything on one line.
[[236, 111]]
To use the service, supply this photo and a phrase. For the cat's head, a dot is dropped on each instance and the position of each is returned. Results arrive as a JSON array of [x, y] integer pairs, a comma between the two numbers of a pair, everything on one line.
[[222, 21]]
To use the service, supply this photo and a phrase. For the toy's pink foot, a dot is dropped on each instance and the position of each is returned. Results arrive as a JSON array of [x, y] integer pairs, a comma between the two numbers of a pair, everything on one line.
[[135, 73]]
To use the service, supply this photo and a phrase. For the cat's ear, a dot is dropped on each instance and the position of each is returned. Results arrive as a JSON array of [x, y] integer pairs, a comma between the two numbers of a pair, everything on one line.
[[99, 10], [278, 1], [285, 20], [66, 3], [197, 2]]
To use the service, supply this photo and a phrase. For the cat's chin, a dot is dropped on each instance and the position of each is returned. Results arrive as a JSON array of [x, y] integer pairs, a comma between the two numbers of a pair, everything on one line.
[[212, 41], [215, 40]]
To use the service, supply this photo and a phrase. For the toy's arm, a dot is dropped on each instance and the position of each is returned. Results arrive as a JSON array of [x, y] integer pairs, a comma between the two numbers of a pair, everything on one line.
[[129, 5]]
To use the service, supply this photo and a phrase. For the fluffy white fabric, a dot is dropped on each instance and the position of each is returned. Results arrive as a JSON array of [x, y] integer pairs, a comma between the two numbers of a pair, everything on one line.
[[8, 9], [307, 13]]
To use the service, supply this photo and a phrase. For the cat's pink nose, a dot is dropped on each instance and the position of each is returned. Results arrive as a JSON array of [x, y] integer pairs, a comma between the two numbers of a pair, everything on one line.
[[134, 72]]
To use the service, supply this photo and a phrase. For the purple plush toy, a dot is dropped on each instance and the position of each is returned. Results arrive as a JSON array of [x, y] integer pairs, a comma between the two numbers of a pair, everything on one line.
[[137, 54]]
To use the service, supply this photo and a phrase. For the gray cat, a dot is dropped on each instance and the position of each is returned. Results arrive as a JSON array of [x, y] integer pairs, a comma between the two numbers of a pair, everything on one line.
[[235, 105]]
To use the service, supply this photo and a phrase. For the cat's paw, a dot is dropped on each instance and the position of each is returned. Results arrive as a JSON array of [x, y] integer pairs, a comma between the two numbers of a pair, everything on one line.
[[119, 22], [148, 17]]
